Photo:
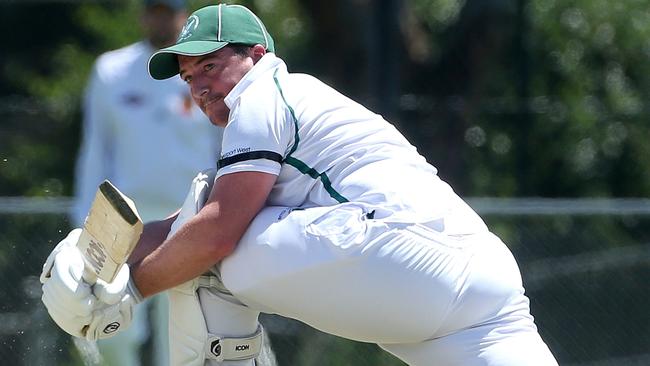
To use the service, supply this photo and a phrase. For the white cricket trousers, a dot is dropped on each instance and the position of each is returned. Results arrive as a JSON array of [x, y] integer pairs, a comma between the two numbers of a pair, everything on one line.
[[426, 297]]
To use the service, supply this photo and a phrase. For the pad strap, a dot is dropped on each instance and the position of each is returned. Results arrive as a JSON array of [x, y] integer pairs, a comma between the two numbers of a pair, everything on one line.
[[215, 286], [233, 349], [212, 281]]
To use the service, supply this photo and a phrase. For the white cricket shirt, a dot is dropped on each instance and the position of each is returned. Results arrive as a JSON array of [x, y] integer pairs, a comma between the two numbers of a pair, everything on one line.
[[325, 148], [145, 135]]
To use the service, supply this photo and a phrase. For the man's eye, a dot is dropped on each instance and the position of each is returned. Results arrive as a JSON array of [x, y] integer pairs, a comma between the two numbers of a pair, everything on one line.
[[187, 79], [208, 67]]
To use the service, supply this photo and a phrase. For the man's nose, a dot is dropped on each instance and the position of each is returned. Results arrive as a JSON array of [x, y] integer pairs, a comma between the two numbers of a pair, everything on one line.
[[199, 90]]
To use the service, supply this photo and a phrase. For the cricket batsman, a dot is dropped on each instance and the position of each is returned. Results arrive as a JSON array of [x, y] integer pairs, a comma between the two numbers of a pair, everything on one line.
[[318, 210]]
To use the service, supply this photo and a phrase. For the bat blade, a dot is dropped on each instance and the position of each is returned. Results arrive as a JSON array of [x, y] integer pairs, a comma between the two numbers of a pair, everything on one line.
[[110, 233]]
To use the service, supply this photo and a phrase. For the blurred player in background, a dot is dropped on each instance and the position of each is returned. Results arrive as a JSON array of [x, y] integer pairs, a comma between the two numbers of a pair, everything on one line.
[[148, 138], [320, 211]]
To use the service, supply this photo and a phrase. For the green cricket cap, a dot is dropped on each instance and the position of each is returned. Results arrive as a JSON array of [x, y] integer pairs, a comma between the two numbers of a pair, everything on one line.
[[207, 30]]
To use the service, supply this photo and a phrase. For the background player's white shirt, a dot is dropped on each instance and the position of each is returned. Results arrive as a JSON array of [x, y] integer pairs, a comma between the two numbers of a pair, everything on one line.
[[146, 135], [326, 148]]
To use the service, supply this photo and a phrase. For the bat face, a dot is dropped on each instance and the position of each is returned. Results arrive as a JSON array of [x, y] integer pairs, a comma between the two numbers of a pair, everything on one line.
[[110, 233]]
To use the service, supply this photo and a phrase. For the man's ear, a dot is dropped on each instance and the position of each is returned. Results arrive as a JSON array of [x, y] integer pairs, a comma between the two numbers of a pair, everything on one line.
[[257, 52]]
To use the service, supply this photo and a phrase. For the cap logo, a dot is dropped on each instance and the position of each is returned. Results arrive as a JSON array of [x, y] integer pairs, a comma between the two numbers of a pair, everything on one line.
[[188, 28]]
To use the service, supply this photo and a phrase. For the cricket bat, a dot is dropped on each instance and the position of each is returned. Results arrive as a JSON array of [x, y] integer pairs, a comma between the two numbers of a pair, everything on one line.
[[110, 233]]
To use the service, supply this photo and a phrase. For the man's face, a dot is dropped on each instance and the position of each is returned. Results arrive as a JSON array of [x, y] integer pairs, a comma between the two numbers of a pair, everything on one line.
[[211, 77]]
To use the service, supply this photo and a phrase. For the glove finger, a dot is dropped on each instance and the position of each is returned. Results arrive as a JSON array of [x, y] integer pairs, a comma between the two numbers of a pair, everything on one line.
[[67, 289], [67, 273], [56, 298], [71, 259], [69, 241], [71, 326], [56, 309], [112, 293], [67, 321], [63, 296]]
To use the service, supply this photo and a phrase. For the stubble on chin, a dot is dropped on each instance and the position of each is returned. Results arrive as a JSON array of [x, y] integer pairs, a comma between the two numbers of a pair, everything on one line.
[[218, 120], [218, 123]]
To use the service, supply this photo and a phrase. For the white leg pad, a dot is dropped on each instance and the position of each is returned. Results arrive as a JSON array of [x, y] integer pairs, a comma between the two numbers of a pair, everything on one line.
[[205, 329], [187, 329]]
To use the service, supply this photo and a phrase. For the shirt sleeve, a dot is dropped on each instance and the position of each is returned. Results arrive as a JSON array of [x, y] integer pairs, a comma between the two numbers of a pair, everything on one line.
[[256, 137], [93, 160]]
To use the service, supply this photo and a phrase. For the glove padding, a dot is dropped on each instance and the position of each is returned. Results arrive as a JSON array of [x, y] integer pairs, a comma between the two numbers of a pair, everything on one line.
[[68, 299], [117, 301]]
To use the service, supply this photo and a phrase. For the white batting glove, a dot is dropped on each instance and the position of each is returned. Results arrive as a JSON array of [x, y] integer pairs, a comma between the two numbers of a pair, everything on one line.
[[68, 299], [117, 300]]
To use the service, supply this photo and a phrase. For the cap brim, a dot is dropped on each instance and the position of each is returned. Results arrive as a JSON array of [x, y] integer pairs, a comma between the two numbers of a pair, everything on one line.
[[164, 63]]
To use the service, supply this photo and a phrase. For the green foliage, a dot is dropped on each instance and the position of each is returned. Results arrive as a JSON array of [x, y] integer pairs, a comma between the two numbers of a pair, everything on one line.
[[112, 24], [41, 116], [545, 98], [591, 61]]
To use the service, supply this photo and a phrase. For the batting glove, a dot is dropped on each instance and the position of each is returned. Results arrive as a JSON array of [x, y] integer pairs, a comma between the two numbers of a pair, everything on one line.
[[68, 299], [117, 300]]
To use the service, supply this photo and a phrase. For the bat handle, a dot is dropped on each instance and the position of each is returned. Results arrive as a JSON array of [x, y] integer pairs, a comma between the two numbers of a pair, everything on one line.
[[89, 276]]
